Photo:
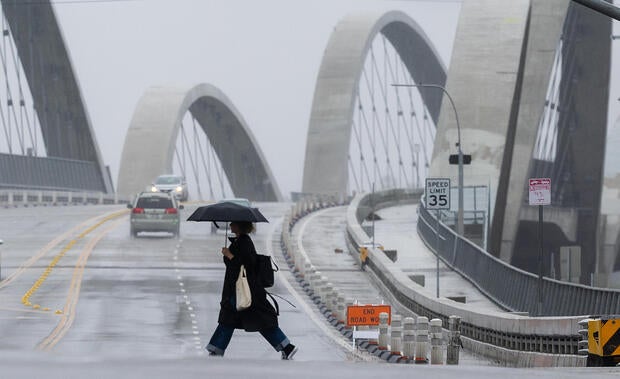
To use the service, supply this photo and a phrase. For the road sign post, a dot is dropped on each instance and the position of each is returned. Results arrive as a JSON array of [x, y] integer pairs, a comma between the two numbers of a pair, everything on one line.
[[437, 197], [540, 195]]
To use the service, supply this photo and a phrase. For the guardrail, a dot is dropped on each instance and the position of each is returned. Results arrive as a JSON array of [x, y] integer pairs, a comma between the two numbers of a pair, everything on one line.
[[490, 275], [14, 198], [513, 339]]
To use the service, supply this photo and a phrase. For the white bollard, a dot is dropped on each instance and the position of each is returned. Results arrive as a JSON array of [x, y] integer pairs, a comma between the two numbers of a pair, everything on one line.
[[421, 340], [307, 270], [314, 282], [396, 342], [383, 331], [408, 337], [326, 295], [436, 342], [341, 309]]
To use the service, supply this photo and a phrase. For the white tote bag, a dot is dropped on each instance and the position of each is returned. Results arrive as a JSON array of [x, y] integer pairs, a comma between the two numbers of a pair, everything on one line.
[[243, 294]]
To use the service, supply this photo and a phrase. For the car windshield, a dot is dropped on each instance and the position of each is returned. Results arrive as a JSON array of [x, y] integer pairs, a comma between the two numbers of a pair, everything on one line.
[[154, 202], [168, 180]]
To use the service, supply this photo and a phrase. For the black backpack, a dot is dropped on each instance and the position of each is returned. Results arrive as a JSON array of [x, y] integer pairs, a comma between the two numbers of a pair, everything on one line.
[[265, 270]]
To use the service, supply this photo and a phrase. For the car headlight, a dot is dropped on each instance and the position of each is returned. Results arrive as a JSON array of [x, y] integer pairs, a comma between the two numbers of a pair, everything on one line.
[[179, 189], [153, 189]]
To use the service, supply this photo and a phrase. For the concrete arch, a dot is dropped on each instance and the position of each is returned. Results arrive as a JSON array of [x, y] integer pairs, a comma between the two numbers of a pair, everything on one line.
[[65, 124], [151, 139], [331, 118]]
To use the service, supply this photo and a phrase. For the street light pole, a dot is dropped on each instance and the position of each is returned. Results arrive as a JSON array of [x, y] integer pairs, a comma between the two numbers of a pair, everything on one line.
[[460, 223]]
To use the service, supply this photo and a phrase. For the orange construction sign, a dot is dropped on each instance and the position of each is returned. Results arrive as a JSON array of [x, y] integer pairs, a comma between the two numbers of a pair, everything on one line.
[[362, 315]]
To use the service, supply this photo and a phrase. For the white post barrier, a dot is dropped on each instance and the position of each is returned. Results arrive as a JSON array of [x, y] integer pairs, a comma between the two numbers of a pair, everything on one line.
[[341, 309], [315, 280], [329, 300], [421, 340], [383, 331], [408, 338], [396, 342], [307, 270], [326, 293], [454, 343], [436, 339]]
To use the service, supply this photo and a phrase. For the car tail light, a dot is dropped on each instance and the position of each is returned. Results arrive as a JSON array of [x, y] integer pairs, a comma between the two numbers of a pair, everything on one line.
[[138, 210], [171, 211]]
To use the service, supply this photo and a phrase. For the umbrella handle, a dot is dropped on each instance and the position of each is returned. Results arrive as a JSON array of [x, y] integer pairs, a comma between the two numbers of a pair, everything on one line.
[[226, 235]]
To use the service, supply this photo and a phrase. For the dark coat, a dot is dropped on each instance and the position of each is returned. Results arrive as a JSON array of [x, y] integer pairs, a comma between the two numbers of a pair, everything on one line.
[[261, 314]]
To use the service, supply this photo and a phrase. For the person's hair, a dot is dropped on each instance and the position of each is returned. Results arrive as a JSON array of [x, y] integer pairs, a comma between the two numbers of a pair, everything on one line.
[[245, 227]]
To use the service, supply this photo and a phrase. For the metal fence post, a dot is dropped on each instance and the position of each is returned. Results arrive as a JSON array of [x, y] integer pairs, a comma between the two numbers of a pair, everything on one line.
[[454, 341], [436, 342]]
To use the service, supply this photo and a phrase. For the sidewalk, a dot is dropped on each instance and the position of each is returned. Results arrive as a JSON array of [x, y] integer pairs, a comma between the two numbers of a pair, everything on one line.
[[322, 236], [398, 230]]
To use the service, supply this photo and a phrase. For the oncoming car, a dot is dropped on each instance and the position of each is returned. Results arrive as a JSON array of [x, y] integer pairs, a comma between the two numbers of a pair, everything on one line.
[[236, 200], [155, 212], [174, 184]]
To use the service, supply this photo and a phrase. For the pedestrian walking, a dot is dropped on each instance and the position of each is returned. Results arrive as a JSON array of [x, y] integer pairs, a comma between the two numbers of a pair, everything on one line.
[[261, 316]]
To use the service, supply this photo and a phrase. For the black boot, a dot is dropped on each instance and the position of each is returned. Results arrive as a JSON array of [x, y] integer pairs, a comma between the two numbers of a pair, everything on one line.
[[288, 351]]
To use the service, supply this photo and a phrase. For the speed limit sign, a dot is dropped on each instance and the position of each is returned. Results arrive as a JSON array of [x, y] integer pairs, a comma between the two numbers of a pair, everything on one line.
[[437, 193]]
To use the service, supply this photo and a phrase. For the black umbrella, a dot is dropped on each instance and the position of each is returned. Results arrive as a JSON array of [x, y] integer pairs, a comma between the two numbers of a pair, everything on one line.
[[228, 212]]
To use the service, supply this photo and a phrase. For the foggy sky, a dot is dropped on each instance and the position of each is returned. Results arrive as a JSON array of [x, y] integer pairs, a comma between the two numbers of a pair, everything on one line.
[[263, 54]]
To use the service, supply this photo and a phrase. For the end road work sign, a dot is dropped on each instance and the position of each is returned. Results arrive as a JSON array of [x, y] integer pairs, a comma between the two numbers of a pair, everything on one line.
[[359, 315], [437, 193]]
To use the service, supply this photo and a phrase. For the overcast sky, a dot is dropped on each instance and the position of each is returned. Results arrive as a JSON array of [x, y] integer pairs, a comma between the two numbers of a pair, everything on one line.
[[263, 54]]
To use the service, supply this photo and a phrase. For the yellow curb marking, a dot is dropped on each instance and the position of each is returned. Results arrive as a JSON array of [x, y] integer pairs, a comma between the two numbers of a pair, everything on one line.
[[37, 284]]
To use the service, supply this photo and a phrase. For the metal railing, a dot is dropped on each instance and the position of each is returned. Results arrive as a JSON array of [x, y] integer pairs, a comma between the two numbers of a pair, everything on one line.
[[510, 287], [15, 198]]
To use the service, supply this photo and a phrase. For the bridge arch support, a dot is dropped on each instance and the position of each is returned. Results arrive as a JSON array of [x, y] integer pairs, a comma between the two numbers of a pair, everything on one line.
[[331, 118], [152, 135]]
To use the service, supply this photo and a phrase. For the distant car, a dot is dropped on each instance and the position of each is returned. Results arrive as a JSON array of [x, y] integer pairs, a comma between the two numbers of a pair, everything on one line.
[[155, 212], [174, 184], [236, 200]]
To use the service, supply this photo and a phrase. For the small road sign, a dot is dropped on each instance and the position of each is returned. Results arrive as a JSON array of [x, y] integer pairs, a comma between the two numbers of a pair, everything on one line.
[[437, 193], [540, 191]]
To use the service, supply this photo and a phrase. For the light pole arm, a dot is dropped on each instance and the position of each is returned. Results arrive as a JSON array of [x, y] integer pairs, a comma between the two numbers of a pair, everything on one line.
[[460, 222], [601, 7]]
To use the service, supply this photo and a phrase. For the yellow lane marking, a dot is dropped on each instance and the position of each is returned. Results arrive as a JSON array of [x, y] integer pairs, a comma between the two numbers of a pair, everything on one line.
[[43, 251], [69, 310], [39, 282], [22, 310]]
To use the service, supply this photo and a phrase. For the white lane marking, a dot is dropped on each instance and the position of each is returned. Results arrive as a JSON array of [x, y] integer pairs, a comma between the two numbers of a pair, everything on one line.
[[195, 331]]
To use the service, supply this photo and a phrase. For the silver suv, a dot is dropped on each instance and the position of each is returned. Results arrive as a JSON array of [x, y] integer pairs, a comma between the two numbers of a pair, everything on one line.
[[155, 212], [174, 184]]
